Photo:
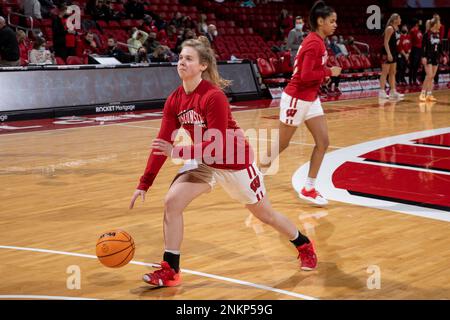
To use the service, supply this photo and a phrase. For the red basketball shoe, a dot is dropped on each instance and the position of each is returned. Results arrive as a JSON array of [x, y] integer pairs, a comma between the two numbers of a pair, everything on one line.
[[313, 196], [164, 277], [308, 258]]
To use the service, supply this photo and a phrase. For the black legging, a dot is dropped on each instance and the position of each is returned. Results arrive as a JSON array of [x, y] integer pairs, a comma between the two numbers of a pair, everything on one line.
[[401, 69], [414, 63]]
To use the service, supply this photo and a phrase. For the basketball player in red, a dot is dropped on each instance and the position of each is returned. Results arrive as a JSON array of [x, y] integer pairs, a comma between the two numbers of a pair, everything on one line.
[[300, 101], [200, 104]]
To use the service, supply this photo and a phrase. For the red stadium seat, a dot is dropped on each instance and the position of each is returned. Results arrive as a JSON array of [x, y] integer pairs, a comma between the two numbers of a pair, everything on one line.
[[266, 70], [60, 61], [73, 60]]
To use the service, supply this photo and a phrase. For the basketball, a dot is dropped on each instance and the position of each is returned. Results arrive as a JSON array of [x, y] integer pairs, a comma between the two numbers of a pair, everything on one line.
[[115, 248]]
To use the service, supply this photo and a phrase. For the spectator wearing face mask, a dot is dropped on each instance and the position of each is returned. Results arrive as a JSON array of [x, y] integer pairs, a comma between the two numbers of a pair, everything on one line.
[[403, 49], [212, 33], [295, 38], [334, 46], [39, 54]]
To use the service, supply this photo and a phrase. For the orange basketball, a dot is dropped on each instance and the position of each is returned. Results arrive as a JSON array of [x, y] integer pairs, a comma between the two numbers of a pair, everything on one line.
[[115, 248]]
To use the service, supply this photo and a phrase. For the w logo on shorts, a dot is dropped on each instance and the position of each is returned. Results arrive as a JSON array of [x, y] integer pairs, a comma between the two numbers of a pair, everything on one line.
[[291, 112]]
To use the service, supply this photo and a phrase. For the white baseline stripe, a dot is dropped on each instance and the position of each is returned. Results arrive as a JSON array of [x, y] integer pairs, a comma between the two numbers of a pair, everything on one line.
[[16, 296], [202, 274]]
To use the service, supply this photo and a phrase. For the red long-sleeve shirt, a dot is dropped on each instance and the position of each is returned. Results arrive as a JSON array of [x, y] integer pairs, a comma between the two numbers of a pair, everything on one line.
[[203, 112], [416, 37], [309, 69]]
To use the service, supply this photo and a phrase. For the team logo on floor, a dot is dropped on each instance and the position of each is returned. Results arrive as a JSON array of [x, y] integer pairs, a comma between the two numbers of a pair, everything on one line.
[[408, 173]]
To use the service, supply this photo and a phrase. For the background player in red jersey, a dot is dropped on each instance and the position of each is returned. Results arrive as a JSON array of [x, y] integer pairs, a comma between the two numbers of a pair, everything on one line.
[[200, 104], [300, 102]]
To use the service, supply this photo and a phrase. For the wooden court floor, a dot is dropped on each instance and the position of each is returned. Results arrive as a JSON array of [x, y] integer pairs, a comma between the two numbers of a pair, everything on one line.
[[61, 189]]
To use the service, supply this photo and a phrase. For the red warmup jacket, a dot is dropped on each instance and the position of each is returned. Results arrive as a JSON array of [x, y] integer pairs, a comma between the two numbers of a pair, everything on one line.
[[204, 109], [309, 69], [416, 37]]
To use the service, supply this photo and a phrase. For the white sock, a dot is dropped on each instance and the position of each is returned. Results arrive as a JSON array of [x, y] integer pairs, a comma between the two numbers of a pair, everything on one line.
[[428, 93], [310, 182], [172, 251]]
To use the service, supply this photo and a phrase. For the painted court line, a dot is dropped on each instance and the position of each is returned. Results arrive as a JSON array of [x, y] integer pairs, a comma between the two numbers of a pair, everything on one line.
[[202, 274]]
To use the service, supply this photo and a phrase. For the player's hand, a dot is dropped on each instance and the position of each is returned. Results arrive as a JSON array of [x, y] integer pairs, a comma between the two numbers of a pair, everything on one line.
[[162, 147], [138, 193], [390, 58], [424, 61], [335, 71]]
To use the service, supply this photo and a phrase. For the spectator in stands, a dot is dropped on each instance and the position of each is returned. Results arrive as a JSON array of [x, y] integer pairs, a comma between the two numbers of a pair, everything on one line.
[[172, 33], [32, 8], [188, 23], [151, 44], [202, 26], [24, 46], [9, 47], [187, 34], [177, 20], [295, 38], [404, 49], [90, 7], [416, 51], [59, 32], [134, 9], [87, 45], [159, 55], [115, 52], [148, 25], [285, 24], [142, 56], [46, 7], [160, 23], [212, 33], [137, 40], [352, 47], [102, 11], [334, 46], [341, 45], [39, 54]]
